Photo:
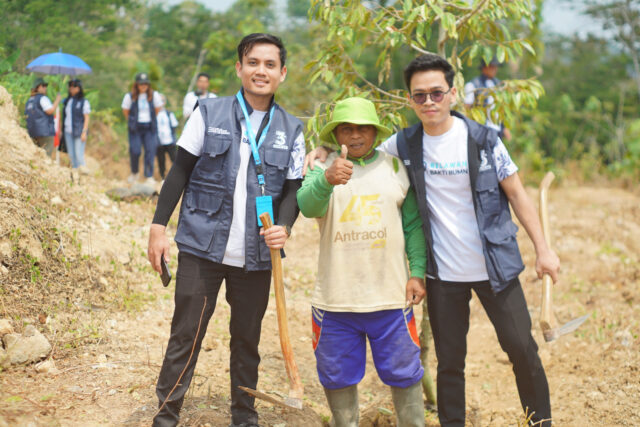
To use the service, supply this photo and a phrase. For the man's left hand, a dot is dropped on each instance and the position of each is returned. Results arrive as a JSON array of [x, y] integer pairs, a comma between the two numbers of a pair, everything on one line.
[[275, 237], [548, 262], [415, 291]]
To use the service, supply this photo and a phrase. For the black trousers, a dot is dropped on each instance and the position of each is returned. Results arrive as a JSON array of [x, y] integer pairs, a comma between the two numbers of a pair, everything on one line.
[[248, 295], [171, 150], [448, 305]]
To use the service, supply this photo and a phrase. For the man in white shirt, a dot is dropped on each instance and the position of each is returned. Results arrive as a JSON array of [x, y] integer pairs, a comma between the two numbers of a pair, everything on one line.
[[201, 92], [465, 183], [238, 156]]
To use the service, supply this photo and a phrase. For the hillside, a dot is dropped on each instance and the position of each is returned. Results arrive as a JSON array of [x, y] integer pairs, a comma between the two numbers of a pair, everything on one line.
[[73, 264]]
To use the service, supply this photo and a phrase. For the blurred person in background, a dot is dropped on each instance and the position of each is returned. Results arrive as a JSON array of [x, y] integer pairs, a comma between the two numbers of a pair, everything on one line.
[[75, 121], [201, 92], [167, 124], [40, 111], [140, 107]]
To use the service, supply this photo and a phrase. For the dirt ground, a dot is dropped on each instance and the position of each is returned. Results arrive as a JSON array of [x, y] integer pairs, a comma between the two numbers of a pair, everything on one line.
[[76, 260]]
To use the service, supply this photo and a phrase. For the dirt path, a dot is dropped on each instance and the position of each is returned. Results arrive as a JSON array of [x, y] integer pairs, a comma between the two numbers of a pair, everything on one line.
[[593, 374], [108, 317]]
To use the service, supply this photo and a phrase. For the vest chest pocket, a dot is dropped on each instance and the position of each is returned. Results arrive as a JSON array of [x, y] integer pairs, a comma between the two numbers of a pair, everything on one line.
[[277, 165], [488, 190], [214, 154]]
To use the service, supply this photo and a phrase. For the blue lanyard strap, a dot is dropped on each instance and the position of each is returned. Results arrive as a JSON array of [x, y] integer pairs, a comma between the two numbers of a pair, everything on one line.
[[251, 136]]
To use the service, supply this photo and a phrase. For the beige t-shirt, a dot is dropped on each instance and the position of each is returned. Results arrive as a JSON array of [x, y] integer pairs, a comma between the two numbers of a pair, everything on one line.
[[362, 265]]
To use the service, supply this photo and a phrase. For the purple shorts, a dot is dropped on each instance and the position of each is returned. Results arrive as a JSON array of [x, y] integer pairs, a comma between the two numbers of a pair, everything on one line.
[[340, 345]]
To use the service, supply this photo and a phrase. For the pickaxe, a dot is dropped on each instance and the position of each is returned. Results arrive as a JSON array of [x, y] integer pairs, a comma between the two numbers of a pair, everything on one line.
[[547, 317], [294, 400]]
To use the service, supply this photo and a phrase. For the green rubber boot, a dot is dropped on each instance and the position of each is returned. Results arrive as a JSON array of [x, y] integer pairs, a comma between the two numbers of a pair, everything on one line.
[[409, 405], [343, 403]]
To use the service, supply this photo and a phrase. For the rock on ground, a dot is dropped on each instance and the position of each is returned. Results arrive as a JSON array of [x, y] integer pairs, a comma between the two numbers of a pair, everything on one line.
[[27, 348]]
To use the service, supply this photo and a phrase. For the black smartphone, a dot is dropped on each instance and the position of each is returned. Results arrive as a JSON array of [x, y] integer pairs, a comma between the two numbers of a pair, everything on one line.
[[166, 274]]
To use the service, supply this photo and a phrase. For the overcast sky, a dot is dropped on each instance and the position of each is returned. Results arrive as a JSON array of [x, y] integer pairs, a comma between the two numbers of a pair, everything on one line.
[[559, 15]]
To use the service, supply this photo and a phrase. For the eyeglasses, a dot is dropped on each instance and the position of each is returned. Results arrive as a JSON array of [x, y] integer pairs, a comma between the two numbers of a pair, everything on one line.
[[436, 96]]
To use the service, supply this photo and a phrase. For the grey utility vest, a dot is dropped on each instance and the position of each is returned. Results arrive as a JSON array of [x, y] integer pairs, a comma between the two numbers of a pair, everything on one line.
[[39, 123], [77, 115], [497, 230], [207, 207], [132, 122]]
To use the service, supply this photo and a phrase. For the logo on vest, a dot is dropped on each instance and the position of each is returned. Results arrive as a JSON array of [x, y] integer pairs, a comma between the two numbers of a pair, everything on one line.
[[281, 140], [218, 131], [484, 162]]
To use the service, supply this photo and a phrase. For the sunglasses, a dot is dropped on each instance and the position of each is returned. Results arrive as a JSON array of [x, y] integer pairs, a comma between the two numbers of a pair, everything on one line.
[[436, 96]]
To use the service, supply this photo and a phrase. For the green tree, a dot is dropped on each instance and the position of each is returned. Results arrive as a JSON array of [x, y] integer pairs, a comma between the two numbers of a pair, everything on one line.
[[91, 30], [174, 38], [458, 30], [622, 17]]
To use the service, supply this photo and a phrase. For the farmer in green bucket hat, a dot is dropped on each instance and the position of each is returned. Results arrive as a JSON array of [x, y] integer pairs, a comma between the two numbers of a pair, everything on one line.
[[369, 226]]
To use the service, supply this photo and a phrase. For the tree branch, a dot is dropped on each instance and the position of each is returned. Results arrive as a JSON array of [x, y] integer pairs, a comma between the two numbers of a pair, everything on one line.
[[373, 86], [469, 15]]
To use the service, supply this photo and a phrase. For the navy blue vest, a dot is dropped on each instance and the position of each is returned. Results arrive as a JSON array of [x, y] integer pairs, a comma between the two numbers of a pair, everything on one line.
[[497, 230], [39, 123], [480, 82], [207, 207], [77, 115], [133, 114]]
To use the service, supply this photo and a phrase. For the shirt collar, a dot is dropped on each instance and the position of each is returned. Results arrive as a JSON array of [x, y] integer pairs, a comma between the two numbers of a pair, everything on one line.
[[250, 108]]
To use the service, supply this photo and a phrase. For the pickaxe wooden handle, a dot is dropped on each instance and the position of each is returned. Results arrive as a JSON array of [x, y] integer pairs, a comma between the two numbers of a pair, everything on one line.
[[550, 330], [547, 320], [296, 388]]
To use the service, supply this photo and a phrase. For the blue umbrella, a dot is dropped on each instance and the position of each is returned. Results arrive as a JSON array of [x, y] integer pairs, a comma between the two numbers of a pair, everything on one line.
[[59, 63]]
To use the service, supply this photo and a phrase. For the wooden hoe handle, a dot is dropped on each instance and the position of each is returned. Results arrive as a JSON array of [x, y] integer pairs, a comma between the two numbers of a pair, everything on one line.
[[546, 311], [281, 310]]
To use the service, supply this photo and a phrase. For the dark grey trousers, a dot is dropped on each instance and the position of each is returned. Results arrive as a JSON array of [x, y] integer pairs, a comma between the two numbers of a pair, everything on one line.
[[448, 305], [248, 295]]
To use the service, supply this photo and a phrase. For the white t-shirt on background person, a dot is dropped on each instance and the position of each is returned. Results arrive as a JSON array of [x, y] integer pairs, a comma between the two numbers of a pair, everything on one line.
[[86, 109], [190, 100], [456, 239], [45, 103], [166, 122], [192, 140], [144, 112]]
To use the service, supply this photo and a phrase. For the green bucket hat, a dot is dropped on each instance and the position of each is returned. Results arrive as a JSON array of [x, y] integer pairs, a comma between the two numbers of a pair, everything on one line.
[[358, 111]]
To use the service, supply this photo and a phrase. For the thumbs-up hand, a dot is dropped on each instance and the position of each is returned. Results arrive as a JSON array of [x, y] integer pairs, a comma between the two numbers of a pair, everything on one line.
[[340, 170]]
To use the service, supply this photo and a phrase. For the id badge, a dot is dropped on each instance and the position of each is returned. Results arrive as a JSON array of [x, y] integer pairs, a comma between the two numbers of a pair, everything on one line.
[[264, 204]]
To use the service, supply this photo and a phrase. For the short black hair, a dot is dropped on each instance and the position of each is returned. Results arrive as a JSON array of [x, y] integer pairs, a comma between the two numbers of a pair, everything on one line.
[[251, 40], [428, 62], [203, 75]]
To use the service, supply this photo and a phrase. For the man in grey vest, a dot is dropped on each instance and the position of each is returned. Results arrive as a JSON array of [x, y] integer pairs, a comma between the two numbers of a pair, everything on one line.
[[477, 93], [238, 156], [465, 181], [39, 111]]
